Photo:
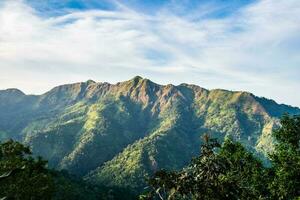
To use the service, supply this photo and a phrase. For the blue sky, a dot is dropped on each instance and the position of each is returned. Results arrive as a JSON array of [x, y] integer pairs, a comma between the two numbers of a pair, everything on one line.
[[249, 45], [179, 7]]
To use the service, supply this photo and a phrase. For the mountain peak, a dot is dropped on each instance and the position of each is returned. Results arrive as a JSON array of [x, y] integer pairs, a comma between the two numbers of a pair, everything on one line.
[[138, 78], [14, 91], [135, 81], [11, 95], [90, 81], [134, 121]]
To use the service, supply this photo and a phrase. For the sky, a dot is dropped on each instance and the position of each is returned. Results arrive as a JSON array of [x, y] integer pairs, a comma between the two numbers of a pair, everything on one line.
[[244, 45]]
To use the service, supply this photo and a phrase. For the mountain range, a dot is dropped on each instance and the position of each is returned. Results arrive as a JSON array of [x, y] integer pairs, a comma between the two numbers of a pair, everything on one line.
[[119, 134]]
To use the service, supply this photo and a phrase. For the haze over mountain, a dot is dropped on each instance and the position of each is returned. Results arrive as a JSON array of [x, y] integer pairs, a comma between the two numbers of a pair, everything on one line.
[[118, 134]]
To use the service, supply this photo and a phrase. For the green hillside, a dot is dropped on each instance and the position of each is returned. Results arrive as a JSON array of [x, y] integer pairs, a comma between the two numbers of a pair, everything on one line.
[[118, 134]]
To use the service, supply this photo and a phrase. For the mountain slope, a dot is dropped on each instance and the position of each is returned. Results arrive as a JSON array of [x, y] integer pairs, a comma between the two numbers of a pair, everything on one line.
[[117, 134]]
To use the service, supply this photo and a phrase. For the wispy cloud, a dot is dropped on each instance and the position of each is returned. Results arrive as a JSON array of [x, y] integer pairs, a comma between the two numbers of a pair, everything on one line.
[[255, 48]]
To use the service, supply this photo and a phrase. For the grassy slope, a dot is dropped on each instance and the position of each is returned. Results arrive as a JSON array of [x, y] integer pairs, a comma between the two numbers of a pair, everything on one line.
[[119, 134]]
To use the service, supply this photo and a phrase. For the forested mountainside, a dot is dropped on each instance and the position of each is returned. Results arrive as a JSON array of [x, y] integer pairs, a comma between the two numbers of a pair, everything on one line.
[[118, 134]]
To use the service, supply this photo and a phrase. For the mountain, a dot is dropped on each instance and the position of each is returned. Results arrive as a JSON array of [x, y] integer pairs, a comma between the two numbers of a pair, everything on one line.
[[119, 134]]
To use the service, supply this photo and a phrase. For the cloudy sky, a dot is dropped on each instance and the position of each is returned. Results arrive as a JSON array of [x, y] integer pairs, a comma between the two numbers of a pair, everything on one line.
[[246, 45]]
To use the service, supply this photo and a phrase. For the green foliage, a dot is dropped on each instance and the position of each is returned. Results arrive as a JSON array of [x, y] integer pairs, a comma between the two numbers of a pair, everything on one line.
[[69, 187], [22, 176], [245, 170], [286, 160], [145, 156], [227, 173], [231, 172], [123, 132]]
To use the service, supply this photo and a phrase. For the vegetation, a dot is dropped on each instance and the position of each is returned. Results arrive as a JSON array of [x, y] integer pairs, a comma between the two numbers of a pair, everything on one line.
[[118, 134], [231, 172], [286, 160], [22, 176], [227, 171]]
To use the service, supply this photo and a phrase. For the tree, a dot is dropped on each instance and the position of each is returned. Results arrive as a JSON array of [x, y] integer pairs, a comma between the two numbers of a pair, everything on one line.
[[21, 175], [247, 171], [286, 160], [220, 172]]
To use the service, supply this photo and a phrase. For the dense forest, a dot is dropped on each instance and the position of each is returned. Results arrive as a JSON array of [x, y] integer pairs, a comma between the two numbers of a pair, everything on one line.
[[221, 171]]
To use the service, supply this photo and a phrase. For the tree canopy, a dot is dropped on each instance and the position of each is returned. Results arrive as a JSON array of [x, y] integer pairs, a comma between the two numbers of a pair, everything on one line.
[[21, 175], [286, 160], [229, 171]]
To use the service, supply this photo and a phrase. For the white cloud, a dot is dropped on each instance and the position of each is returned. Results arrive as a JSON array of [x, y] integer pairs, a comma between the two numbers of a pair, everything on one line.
[[255, 49]]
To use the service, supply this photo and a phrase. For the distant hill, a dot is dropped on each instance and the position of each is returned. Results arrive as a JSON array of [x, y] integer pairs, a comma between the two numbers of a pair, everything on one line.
[[118, 134]]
